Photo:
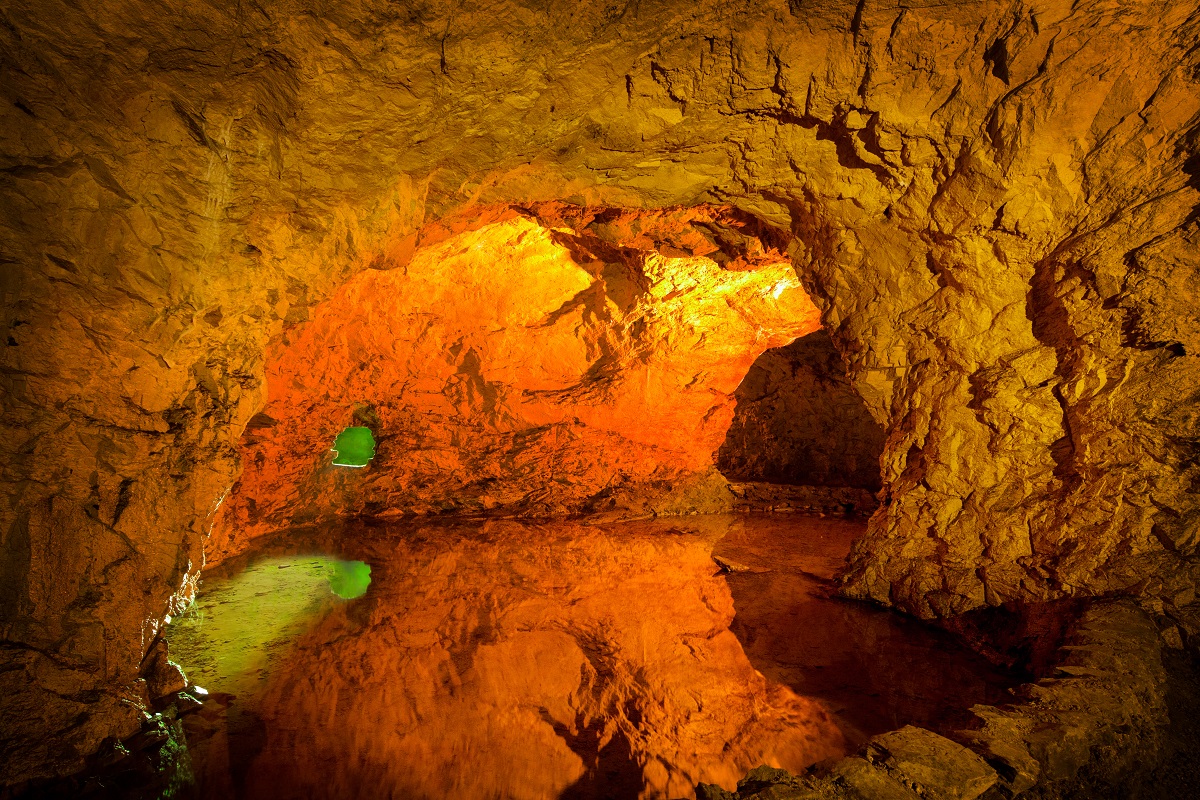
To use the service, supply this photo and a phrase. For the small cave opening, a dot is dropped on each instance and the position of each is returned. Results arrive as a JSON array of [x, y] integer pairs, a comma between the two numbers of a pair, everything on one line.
[[353, 447], [801, 436]]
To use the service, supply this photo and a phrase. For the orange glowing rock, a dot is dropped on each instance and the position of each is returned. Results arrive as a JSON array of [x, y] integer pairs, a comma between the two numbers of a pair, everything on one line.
[[519, 367]]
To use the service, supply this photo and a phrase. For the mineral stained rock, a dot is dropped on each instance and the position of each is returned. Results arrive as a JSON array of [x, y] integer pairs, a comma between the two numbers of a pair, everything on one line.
[[992, 203]]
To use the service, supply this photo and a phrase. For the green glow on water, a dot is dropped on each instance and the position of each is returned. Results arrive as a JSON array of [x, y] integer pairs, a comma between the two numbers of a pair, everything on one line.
[[238, 624], [354, 447], [350, 579]]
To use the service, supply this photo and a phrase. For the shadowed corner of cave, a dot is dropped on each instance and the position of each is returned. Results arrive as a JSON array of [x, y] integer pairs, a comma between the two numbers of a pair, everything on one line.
[[802, 439], [246, 733], [800, 423], [611, 773]]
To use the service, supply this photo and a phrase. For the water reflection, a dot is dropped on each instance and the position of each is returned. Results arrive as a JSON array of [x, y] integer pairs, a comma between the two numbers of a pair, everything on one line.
[[506, 660], [233, 636], [875, 670], [350, 579]]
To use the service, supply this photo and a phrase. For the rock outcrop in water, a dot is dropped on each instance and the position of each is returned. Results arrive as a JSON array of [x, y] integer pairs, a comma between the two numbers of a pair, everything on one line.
[[993, 204]]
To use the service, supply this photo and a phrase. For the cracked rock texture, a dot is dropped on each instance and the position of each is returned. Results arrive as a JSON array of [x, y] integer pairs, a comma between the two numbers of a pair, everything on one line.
[[992, 203]]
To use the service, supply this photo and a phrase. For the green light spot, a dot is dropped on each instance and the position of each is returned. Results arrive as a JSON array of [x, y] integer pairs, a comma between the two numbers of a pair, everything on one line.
[[354, 447], [242, 626], [350, 579]]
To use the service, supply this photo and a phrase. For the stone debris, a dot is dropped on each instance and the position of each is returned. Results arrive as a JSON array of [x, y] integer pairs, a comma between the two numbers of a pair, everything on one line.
[[930, 765]]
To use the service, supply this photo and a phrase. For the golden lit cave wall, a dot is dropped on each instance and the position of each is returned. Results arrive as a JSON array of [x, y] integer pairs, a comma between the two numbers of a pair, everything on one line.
[[993, 204], [523, 368]]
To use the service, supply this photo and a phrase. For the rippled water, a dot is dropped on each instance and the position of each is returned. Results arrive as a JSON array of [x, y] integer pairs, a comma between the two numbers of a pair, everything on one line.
[[509, 660]]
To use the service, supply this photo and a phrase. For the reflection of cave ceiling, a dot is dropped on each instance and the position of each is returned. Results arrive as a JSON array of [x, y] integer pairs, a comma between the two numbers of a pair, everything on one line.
[[991, 203]]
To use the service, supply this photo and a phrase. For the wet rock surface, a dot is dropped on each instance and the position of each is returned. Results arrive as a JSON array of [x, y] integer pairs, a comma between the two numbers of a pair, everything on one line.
[[1096, 728]]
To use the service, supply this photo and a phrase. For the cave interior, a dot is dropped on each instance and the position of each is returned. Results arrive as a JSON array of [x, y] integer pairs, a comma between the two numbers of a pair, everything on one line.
[[782, 399]]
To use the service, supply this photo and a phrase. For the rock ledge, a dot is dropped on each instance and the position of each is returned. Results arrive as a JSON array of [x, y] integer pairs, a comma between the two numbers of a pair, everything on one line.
[[1097, 724]]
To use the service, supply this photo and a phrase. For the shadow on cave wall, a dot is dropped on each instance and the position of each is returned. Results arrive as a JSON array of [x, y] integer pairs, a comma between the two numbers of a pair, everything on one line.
[[800, 422]]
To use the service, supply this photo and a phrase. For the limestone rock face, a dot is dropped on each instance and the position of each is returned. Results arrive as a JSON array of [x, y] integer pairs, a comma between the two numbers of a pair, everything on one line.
[[516, 369], [992, 203]]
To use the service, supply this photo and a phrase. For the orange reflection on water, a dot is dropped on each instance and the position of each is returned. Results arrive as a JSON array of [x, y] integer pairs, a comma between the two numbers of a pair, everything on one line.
[[507, 660]]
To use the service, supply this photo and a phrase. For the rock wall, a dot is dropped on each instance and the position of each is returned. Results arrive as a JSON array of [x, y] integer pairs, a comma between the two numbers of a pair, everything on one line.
[[520, 370], [799, 421], [993, 204]]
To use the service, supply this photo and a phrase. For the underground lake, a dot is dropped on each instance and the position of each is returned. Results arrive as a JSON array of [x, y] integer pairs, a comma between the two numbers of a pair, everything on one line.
[[639, 399], [505, 659]]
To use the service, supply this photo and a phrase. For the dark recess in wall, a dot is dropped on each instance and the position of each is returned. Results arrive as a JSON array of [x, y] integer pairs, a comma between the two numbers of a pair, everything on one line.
[[800, 422]]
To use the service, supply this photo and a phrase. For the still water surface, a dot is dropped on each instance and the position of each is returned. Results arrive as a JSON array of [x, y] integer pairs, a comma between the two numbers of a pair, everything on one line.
[[564, 660]]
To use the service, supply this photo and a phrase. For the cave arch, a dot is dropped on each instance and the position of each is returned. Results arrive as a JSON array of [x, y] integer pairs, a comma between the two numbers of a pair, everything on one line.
[[541, 360], [997, 252], [800, 422]]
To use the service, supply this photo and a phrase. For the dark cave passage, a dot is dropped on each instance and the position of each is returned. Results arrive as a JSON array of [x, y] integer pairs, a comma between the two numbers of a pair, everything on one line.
[[801, 437], [800, 422]]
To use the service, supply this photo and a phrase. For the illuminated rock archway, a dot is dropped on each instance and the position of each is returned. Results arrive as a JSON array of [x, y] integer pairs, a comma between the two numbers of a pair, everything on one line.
[[584, 362]]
